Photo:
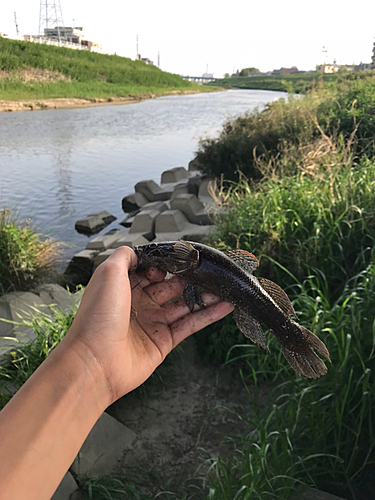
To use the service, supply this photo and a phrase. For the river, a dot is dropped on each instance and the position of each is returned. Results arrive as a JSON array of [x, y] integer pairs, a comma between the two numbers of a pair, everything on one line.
[[58, 166]]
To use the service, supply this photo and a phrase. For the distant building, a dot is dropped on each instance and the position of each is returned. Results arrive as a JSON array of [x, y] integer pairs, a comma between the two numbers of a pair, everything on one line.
[[208, 75], [328, 68], [285, 71], [363, 67], [65, 36], [373, 57], [144, 59]]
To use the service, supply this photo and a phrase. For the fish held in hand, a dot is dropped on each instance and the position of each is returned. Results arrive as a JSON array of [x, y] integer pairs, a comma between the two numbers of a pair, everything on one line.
[[229, 275]]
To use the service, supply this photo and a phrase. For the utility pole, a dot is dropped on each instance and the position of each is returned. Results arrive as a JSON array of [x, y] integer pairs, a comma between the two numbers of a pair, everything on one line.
[[159, 60], [138, 57], [15, 22]]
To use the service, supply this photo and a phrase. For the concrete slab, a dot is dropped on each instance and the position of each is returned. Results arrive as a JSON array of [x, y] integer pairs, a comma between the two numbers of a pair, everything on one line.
[[15, 307], [173, 175], [152, 205], [51, 293], [193, 208], [93, 223], [144, 223], [133, 202], [103, 447], [66, 488]]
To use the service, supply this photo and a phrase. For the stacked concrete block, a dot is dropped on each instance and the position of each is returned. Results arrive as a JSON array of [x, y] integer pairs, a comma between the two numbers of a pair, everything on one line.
[[105, 241], [81, 267], [103, 447], [131, 240], [153, 205], [53, 294], [193, 208], [133, 202], [173, 225], [144, 224], [152, 191], [174, 175], [93, 223]]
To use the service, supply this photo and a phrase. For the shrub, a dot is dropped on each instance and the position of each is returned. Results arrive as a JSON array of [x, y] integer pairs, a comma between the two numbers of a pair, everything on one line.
[[24, 256]]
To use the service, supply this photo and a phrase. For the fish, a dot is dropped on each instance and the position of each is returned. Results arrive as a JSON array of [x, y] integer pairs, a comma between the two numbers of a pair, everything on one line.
[[258, 301]]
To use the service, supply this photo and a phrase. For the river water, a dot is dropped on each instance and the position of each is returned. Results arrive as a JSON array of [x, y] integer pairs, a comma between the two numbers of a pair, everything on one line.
[[58, 166]]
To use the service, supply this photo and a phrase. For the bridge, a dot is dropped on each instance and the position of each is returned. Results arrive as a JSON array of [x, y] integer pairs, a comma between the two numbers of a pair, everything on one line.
[[198, 79]]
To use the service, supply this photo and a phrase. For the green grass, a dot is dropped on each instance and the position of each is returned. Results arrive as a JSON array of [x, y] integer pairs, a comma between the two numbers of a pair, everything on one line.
[[285, 126], [85, 74], [25, 257]]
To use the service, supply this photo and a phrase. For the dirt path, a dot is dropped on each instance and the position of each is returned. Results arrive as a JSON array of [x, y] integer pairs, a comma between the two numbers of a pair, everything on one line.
[[182, 419]]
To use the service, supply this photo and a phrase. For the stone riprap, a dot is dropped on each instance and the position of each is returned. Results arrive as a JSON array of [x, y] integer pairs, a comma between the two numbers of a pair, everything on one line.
[[181, 207], [94, 223]]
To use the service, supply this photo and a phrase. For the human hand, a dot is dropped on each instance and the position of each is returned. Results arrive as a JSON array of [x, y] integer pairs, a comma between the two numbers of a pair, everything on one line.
[[127, 324]]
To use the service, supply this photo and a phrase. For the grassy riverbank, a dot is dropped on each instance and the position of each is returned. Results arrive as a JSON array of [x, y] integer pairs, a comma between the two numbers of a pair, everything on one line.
[[296, 83], [35, 71]]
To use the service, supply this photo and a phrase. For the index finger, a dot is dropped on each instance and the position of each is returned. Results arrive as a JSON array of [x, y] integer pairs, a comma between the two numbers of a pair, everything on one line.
[[166, 290]]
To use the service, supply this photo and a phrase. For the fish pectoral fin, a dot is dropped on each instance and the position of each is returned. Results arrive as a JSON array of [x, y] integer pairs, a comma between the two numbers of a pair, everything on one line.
[[244, 259], [183, 258], [278, 295], [250, 327], [192, 296]]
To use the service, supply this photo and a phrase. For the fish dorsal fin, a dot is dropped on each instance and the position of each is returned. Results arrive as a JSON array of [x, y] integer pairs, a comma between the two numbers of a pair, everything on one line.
[[244, 259], [278, 295], [185, 256]]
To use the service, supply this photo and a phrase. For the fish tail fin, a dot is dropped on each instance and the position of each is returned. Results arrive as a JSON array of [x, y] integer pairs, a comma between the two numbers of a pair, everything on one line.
[[299, 352]]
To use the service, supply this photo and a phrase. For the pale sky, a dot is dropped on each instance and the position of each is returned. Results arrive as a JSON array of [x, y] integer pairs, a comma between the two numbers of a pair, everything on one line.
[[226, 36]]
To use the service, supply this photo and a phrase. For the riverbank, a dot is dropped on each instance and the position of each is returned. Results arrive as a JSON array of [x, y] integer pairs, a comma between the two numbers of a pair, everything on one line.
[[71, 102]]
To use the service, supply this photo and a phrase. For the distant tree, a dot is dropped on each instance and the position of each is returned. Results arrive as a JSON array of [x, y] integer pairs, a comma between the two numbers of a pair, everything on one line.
[[343, 69], [227, 75], [248, 71]]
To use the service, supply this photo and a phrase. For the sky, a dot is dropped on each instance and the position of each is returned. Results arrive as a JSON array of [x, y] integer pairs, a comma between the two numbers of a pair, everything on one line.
[[221, 36]]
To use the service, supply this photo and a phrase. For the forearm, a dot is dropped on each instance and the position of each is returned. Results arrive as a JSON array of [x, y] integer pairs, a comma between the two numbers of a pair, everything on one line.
[[44, 425]]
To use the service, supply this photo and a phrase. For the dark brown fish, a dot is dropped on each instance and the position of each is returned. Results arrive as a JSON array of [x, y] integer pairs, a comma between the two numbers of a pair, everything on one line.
[[257, 301]]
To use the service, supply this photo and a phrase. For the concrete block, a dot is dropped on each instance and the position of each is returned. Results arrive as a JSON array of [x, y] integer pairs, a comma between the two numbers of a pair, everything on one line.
[[131, 240], [127, 222], [51, 293], [144, 223], [105, 241], [151, 191], [193, 165], [66, 488], [173, 225], [174, 175], [193, 208], [103, 447], [102, 256], [80, 268], [133, 202], [208, 190], [152, 205], [16, 306], [94, 222]]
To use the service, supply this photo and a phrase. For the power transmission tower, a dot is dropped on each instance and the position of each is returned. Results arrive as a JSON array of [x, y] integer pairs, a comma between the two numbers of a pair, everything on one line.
[[50, 16]]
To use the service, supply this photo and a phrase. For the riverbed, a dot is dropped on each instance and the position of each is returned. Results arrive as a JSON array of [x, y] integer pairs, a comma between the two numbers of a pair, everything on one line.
[[58, 166]]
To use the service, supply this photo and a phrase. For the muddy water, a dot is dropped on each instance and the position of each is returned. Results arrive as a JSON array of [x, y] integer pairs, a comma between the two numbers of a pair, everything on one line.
[[60, 165]]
